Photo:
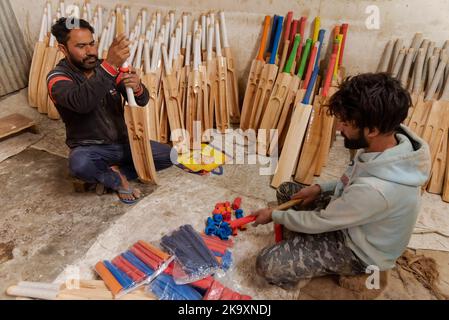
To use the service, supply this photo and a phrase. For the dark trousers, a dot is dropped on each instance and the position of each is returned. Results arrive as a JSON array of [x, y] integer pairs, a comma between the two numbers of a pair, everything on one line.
[[93, 163], [304, 256]]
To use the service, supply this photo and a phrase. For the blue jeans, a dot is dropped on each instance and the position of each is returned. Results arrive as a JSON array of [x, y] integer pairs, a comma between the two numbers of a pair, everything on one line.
[[93, 163]]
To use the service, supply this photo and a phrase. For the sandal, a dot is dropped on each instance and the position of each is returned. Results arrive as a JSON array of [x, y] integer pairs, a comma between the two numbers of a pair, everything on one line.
[[127, 191]]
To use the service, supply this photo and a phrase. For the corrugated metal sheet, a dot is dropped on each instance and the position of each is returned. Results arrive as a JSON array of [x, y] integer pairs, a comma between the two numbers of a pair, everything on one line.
[[15, 58]]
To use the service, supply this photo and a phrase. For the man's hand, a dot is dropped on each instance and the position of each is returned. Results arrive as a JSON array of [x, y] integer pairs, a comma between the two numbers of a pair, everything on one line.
[[263, 216], [308, 194], [118, 52], [132, 79]]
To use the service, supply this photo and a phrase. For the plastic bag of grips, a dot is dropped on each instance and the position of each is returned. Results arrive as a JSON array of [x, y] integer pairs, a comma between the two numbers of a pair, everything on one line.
[[140, 265], [194, 259]]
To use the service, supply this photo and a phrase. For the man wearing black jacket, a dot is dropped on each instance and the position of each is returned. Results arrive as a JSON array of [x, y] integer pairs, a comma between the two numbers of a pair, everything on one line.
[[87, 93]]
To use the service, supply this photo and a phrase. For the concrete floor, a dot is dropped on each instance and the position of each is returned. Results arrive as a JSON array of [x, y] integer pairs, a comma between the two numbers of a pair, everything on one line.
[[46, 227]]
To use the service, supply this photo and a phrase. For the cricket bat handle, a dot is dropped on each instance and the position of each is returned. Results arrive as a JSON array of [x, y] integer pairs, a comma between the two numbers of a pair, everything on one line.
[[266, 26], [288, 204]]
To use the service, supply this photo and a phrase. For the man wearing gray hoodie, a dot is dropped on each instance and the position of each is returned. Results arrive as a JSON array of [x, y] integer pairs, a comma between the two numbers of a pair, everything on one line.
[[365, 218]]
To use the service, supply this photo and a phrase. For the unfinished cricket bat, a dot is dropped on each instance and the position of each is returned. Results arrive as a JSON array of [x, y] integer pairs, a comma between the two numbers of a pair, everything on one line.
[[310, 151], [184, 76], [292, 146], [267, 79], [136, 119], [435, 129], [417, 84], [47, 65], [385, 61], [37, 61], [422, 108], [52, 112], [328, 120], [222, 113], [407, 65], [231, 78], [253, 78], [171, 94], [212, 77], [439, 167]]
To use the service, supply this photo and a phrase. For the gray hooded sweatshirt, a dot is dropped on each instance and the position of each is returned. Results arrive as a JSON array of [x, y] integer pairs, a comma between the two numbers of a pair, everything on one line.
[[376, 202]]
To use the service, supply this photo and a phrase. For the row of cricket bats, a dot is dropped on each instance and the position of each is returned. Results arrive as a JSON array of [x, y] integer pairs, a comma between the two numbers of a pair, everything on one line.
[[423, 69], [280, 96]]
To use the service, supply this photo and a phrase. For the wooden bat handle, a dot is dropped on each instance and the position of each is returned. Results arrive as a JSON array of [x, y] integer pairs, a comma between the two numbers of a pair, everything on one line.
[[266, 26], [436, 79], [288, 204]]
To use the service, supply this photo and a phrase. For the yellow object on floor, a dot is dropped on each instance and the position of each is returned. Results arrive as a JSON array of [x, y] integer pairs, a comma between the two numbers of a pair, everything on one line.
[[206, 159]]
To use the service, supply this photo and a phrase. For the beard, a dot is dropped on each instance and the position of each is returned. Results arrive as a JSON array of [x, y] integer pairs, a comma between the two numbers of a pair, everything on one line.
[[87, 64], [357, 143]]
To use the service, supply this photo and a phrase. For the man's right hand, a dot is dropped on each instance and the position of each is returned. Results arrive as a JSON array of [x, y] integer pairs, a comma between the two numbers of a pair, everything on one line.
[[308, 194], [118, 52]]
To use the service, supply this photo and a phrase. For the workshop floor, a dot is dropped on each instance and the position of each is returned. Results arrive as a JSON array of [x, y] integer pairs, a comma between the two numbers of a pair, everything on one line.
[[45, 226]]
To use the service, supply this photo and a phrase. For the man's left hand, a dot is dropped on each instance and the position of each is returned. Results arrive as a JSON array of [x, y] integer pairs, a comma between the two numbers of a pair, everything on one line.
[[263, 216], [132, 79]]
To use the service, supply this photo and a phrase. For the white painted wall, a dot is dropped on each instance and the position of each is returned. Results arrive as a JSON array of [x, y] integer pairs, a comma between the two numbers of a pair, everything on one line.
[[399, 18]]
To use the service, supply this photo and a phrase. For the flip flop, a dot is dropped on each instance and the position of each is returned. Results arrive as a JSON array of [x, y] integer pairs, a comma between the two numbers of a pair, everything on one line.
[[127, 191]]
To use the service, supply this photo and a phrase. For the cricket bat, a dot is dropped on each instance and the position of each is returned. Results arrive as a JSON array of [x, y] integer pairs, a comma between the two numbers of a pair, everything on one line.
[[47, 65], [232, 84], [37, 61], [136, 119], [253, 78], [422, 110]]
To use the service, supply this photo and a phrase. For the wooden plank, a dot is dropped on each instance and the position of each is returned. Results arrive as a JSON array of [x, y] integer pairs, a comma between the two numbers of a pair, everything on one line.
[[14, 123]]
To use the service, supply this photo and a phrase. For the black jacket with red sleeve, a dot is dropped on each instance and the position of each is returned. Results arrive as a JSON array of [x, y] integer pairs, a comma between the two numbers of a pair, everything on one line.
[[91, 108]]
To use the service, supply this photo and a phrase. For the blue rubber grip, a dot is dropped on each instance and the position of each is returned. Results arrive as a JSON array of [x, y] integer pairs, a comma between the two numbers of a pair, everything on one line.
[[306, 99], [122, 278], [276, 40], [320, 39], [273, 31], [136, 262]]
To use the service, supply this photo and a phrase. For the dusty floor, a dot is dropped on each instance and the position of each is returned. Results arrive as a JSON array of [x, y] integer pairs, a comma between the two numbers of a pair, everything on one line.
[[46, 227]]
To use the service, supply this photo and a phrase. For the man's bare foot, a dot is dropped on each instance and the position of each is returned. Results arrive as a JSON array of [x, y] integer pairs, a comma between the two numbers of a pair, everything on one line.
[[133, 194]]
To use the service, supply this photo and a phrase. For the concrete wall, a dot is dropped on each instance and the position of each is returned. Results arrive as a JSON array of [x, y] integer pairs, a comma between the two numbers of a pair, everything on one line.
[[399, 18]]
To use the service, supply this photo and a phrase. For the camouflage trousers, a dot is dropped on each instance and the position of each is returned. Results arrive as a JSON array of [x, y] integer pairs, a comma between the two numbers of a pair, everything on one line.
[[303, 256]]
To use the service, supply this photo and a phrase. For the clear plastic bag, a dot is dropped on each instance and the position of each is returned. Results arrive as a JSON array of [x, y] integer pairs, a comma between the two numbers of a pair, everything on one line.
[[194, 260], [136, 267]]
